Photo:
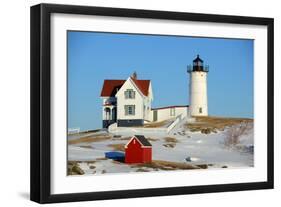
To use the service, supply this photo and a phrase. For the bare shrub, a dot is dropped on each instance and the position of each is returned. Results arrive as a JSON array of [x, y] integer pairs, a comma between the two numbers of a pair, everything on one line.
[[233, 133], [206, 131], [74, 169]]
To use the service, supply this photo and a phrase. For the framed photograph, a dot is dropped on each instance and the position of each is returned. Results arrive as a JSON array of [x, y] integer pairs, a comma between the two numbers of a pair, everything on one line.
[[132, 103]]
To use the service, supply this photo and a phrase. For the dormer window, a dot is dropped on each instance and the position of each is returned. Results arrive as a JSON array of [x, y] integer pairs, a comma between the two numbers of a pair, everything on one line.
[[130, 94]]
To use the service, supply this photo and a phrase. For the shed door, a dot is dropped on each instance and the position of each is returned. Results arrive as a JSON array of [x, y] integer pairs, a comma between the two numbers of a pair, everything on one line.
[[155, 115]]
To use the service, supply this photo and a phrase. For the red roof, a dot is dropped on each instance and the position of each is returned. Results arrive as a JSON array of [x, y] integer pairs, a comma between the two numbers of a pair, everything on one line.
[[143, 85], [111, 87]]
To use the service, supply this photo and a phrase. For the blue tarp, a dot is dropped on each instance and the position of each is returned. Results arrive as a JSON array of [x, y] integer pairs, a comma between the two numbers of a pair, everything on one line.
[[115, 155]]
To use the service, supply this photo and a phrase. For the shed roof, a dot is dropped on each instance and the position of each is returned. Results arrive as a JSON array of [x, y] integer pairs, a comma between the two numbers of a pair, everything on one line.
[[143, 140]]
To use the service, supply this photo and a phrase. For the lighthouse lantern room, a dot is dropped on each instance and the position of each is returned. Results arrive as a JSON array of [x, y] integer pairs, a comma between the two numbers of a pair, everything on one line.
[[198, 88]]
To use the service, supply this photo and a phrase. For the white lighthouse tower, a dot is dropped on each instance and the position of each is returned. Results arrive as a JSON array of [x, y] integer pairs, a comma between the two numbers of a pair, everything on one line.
[[198, 102]]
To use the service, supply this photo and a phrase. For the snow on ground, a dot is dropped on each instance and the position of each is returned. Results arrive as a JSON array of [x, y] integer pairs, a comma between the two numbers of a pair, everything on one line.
[[184, 147]]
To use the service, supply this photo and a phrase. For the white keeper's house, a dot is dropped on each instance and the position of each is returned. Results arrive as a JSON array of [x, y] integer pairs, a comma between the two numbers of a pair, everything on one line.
[[128, 102]]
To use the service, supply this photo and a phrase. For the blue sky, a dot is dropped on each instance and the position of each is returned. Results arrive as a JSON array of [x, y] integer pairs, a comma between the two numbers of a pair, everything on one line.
[[93, 57]]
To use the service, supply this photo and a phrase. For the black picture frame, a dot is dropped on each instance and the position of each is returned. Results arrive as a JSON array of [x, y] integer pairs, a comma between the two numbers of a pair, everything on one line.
[[41, 98]]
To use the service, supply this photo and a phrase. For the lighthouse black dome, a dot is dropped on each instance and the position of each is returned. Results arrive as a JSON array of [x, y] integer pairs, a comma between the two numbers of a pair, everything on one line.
[[198, 59], [198, 64]]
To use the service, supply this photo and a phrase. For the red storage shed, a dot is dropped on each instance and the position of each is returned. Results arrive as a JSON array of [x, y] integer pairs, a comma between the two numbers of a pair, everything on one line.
[[138, 150]]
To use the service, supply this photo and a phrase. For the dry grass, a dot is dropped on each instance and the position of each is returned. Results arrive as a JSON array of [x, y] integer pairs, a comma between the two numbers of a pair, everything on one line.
[[77, 162], [89, 139], [167, 165], [170, 142], [171, 139], [84, 132], [202, 166], [72, 162], [101, 158], [152, 139], [87, 147], [117, 147], [155, 124], [169, 145], [212, 124], [125, 138], [142, 170]]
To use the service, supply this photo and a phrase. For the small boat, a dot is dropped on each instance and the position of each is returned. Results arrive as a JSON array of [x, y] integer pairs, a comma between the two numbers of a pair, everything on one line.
[[118, 156]]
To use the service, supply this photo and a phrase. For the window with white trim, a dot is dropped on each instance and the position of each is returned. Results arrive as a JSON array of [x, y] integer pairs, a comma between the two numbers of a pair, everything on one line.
[[130, 94], [129, 109]]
